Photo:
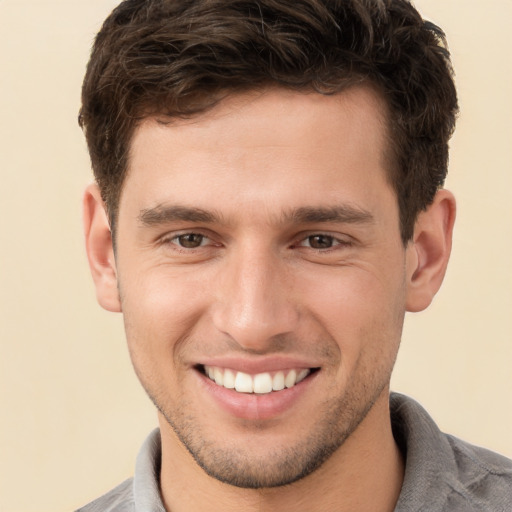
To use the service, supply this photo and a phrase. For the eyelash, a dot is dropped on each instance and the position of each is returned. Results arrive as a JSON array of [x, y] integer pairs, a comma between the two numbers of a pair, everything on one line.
[[334, 241], [174, 240], [301, 242]]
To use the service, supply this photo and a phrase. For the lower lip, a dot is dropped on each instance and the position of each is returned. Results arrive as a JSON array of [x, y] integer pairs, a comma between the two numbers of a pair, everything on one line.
[[252, 406]]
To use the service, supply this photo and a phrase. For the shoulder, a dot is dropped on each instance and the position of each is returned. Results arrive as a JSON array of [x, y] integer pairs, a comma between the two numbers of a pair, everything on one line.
[[444, 472], [481, 474], [119, 499]]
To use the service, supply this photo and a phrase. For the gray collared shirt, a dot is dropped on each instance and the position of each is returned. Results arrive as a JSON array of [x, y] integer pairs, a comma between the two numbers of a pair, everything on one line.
[[442, 474]]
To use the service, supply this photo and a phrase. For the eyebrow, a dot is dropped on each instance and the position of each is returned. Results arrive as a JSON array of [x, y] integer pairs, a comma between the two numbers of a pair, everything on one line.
[[344, 214], [164, 214], [348, 214]]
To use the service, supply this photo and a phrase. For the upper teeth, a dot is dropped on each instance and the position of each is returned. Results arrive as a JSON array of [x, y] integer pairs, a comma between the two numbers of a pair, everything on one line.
[[260, 383]]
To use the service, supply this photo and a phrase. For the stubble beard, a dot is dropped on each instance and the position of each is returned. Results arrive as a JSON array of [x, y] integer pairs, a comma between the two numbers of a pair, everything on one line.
[[338, 419]]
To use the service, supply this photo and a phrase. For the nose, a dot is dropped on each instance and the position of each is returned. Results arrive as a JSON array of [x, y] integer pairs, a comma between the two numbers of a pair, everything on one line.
[[254, 302]]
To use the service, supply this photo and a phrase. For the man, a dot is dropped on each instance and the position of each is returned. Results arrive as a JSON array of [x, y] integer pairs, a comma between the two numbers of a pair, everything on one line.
[[268, 205]]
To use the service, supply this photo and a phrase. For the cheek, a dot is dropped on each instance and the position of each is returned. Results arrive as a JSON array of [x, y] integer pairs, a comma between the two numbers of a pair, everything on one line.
[[160, 312], [162, 298], [361, 308]]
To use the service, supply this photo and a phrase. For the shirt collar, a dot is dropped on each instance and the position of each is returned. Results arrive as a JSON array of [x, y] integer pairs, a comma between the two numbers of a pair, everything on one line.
[[146, 481]]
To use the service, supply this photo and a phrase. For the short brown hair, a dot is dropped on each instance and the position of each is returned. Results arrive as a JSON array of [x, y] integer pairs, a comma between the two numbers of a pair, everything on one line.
[[179, 57]]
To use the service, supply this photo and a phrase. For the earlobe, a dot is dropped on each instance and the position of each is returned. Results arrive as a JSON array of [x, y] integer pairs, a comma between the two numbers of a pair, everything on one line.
[[429, 251], [100, 251]]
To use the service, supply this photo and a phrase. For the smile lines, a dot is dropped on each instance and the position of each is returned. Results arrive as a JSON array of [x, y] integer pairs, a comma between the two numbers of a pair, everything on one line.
[[261, 383]]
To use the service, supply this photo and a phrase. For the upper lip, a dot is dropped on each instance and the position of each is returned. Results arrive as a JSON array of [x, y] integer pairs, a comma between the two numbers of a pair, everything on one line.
[[259, 364]]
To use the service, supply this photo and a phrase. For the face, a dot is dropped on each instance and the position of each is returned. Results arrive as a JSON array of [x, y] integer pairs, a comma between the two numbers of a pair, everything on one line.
[[262, 278]]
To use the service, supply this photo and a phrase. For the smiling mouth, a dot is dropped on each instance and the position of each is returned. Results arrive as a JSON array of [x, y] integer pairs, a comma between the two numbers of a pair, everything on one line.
[[260, 383]]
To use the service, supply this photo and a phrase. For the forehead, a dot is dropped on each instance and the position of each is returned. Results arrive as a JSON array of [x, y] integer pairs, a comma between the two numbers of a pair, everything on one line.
[[263, 144], [279, 111]]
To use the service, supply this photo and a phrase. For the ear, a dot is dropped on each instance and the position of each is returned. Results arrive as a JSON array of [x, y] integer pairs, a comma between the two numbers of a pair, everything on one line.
[[100, 251], [429, 251]]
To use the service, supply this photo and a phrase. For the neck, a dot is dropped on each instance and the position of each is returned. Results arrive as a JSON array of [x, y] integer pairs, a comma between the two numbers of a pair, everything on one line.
[[364, 474]]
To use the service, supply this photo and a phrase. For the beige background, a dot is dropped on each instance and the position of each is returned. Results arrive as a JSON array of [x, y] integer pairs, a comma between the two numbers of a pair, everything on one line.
[[73, 415]]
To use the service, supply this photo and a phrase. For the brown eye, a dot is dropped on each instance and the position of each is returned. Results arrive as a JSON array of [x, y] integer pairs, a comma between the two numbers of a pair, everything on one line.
[[320, 241], [190, 240]]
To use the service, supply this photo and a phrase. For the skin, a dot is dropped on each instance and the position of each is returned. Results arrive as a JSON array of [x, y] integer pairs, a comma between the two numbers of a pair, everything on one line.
[[272, 281]]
